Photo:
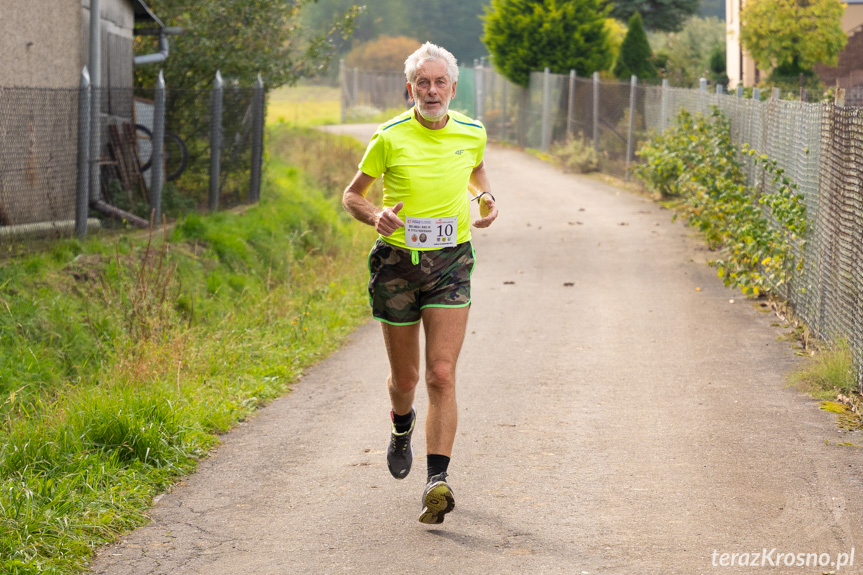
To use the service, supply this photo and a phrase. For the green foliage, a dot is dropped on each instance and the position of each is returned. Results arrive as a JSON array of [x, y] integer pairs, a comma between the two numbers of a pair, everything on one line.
[[665, 15], [524, 36], [636, 57], [756, 229], [616, 34], [384, 53], [718, 75], [119, 363], [779, 33], [453, 24], [791, 77], [575, 154], [684, 57], [241, 38]]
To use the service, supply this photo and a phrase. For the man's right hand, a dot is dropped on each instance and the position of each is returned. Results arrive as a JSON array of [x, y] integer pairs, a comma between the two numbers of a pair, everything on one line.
[[388, 220]]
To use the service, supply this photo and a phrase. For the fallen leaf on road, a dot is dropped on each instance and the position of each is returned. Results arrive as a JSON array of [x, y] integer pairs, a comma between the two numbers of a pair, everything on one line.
[[509, 283], [568, 284], [698, 289]]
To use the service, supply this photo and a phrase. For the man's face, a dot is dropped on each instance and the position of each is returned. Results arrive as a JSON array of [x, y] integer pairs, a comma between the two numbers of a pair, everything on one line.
[[432, 90]]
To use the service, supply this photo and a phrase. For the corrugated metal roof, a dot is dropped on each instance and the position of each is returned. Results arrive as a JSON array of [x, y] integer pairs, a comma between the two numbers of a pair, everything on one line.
[[143, 13]]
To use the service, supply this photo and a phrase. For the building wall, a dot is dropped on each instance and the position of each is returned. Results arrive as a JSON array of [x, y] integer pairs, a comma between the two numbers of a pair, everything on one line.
[[40, 42], [45, 44]]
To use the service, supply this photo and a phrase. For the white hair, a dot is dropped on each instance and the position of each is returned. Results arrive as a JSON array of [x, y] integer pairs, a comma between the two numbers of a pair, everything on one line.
[[425, 53]]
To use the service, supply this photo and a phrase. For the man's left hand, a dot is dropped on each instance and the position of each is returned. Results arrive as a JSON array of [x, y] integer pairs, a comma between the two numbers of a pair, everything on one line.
[[492, 214]]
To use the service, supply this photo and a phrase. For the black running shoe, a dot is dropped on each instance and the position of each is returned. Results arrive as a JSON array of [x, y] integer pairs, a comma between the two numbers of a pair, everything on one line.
[[400, 454], [438, 500]]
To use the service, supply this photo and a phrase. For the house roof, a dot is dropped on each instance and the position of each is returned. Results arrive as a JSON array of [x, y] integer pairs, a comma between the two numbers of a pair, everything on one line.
[[144, 14]]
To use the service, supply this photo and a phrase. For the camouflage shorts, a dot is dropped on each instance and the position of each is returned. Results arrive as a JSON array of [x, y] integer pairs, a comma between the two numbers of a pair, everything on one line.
[[399, 289]]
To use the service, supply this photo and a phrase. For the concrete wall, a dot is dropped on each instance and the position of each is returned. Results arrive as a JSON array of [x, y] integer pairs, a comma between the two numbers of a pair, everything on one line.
[[40, 41]]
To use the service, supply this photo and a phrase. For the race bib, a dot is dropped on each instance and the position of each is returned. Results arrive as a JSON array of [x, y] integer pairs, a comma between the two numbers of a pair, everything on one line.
[[431, 232]]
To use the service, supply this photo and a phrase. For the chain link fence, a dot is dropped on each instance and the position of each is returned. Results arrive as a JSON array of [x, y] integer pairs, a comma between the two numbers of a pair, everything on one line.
[[73, 160], [818, 145]]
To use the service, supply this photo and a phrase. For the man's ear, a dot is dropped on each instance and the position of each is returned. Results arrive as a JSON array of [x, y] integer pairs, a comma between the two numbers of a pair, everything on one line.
[[454, 84], [410, 91]]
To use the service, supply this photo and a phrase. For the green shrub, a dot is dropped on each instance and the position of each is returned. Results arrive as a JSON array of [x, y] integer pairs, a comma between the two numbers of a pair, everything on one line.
[[575, 155], [755, 229]]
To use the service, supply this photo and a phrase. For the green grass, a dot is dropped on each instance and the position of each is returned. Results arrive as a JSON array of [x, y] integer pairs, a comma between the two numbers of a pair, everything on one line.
[[122, 360], [828, 373], [304, 105]]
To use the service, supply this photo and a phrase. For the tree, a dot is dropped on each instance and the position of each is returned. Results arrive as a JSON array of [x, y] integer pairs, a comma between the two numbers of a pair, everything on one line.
[[792, 35], [665, 15], [453, 24], [636, 57], [241, 38], [525, 36], [718, 68], [684, 57], [385, 53]]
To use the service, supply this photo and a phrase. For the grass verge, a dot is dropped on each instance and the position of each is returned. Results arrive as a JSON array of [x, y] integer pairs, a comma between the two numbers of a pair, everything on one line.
[[122, 361], [829, 377]]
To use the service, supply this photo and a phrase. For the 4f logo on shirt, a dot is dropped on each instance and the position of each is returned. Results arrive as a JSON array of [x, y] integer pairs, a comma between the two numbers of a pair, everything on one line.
[[459, 152]]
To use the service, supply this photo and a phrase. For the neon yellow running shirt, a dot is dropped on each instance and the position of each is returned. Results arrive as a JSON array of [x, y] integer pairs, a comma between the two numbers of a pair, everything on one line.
[[426, 169]]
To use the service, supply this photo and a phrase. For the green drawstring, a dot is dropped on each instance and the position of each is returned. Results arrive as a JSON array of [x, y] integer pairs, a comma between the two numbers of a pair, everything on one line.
[[415, 257]]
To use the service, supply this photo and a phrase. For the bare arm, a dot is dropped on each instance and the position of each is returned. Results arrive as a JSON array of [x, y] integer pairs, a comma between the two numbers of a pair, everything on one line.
[[479, 180], [385, 221]]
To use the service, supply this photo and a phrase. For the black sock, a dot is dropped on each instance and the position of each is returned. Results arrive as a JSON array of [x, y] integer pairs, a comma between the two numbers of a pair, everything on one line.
[[436, 464], [402, 422]]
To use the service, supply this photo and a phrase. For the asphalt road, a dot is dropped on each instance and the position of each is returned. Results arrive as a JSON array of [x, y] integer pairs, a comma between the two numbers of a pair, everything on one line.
[[618, 415]]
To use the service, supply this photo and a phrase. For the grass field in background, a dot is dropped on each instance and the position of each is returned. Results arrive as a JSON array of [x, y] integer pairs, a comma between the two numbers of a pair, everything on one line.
[[121, 359], [309, 105], [304, 105]]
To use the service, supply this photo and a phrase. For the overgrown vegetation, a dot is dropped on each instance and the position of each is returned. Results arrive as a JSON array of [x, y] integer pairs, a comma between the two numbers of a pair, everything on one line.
[[575, 154], [755, 230], [829, 377], [121, 360]]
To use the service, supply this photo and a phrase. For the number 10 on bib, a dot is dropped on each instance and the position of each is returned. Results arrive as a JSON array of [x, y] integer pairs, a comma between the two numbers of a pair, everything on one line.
[[431, 232]]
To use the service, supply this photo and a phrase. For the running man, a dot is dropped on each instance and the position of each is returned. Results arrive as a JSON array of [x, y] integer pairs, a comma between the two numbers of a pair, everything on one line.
[[421, 263]]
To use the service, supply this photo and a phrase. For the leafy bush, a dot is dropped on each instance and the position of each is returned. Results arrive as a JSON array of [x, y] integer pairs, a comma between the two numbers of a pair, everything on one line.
[[575, 155], [755, 229]]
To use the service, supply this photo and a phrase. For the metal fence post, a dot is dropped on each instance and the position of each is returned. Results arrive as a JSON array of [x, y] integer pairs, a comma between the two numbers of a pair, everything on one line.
[[478, 93], [596, 111], [633, 84], [720, 89], [217, 101], [158, 167], [663, 114], [740, 91], [503, 99], [343, 84], [356, 85], [257, 140], [545, 137], [702, 94], [756, 94], [82, 195], [95, 99], [776, 94], [571, 104]]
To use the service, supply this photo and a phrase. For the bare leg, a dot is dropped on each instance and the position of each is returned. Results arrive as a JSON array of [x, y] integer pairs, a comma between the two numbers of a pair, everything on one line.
[[403, 349], [445, 329]]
